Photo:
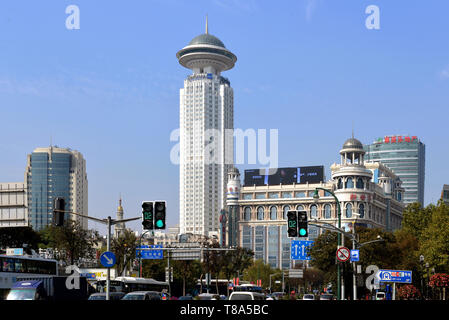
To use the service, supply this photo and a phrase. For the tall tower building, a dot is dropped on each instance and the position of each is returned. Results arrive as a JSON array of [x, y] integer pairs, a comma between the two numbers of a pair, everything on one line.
[[55, 172], [406, 156], [206, 152]]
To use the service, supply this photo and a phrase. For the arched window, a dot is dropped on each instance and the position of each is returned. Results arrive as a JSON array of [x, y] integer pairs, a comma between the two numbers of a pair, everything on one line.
[[313, 211], [273, 213], [339, 184], [348, 210], [362, 210], [284, 214], [327, 211], [247, 214], [349, 183], [360, 183], [260, 213], [299, 207]]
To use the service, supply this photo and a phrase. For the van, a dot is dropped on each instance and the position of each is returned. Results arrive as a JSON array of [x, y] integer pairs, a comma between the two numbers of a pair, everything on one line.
[[247, 295]]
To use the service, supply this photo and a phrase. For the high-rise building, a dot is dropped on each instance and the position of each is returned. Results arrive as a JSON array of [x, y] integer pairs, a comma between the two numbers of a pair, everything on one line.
[[445, 194], [55, 172], [406, 156], [232, 202], [13, 205], [206, 151]]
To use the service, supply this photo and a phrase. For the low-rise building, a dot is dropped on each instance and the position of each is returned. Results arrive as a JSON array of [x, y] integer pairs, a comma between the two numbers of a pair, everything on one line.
[[13, 205]]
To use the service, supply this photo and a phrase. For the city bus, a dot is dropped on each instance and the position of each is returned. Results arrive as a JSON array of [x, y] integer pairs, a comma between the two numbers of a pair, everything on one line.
[[130, 284], [12, 267]]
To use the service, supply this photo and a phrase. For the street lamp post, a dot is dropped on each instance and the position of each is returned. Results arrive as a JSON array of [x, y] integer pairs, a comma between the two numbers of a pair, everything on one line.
[[316, 197]]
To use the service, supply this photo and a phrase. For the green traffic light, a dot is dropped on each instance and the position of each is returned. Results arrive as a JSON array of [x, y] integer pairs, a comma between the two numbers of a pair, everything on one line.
[[159, 223], [302, 232]]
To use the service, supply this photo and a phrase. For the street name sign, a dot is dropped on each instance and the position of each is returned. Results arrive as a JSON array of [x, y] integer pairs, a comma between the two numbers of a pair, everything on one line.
[[395, 276], [298, 250], [343, 254], [107, 259], [150, 254], [295, 273]]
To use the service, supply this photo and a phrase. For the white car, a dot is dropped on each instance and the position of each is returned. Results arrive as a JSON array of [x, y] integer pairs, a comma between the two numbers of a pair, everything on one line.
[[308, 296], [246, 295]]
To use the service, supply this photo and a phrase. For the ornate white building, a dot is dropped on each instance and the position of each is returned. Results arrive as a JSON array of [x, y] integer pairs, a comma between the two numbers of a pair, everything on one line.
[[369, 194], [206, 153]]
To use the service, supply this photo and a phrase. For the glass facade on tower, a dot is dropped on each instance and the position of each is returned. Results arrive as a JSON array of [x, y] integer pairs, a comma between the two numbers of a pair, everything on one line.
[[49, 179], [404, 155]]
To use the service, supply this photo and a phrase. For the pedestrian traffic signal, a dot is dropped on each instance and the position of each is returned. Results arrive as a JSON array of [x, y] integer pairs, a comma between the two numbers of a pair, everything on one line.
[[148, 216], [159, 214], [58, 212], [302, 224], [292, 224]]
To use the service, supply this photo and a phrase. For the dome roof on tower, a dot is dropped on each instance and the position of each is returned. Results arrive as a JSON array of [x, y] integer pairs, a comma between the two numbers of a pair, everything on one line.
[[207, 39], [353, 143]]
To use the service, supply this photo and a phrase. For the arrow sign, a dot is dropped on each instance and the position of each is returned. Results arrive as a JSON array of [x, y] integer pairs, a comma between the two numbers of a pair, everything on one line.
[[298, 250], [343, 254], [398, 276], [107, 259]]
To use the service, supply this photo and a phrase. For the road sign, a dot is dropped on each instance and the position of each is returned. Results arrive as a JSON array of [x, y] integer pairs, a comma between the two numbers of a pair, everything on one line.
[[355, 255], [397, 276], [343, 254], [150, 254], [107, 259], [298, 250], [295, 273]]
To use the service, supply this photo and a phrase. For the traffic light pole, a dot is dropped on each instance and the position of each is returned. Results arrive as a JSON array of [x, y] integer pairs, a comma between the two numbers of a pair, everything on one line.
[[109, 222]]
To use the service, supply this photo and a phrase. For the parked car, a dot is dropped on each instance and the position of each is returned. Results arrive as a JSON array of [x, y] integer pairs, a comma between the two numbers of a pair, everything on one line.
[[208, 296], [247, 295], [326, 296], [380, 295], [308, 296], [185, 298], [102, 296], [142, 295], [277, 295]]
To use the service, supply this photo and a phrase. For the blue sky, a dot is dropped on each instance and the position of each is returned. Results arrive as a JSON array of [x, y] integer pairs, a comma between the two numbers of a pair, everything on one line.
[[309, 68]]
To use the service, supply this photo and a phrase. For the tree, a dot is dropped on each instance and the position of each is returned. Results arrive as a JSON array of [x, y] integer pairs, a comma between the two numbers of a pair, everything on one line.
[[124, 248], [236, 261], [71, 242], [435, 238], [17, 237], [259, 271], [416, 218], [189, 271]]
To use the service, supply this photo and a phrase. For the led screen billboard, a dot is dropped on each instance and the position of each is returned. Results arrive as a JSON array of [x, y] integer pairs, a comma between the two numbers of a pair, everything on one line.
[[298, 175]]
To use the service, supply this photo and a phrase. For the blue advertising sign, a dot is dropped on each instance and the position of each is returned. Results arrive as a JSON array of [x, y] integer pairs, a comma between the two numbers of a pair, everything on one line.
[[355, 255], [299, 248], [150, 254], [107, 259], [397, 276]]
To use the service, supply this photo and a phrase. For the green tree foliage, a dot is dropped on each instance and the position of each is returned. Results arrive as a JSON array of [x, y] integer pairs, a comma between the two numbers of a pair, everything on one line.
[[187, 271], [416, 218], [435, 238], [124, 248], [259, 271], [236, 261], [16, 237], [70, 241]]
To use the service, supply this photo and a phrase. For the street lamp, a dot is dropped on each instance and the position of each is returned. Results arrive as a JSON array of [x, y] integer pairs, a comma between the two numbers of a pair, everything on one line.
[[316, 197]]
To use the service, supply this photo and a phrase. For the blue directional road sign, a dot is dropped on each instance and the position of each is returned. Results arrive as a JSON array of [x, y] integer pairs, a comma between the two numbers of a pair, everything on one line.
[[398, 276], [107, 259], [150, 254], [299, 248], [355, 255]]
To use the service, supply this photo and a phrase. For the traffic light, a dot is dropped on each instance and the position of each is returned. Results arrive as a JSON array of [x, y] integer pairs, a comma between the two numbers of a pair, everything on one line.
[[58, 212], [292, 224], [302, 224], [148, 216], [159, 214]]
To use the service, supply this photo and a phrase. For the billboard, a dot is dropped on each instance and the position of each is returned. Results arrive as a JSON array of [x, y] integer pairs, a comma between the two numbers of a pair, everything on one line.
[[298, 175]]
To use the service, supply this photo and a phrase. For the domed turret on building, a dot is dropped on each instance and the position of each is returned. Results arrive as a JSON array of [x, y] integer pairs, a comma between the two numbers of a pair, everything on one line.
[[206, 54], [352, 152]]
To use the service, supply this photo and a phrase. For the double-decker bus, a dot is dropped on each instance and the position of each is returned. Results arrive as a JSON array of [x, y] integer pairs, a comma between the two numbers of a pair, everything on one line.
[[130, 284], [12, 267]]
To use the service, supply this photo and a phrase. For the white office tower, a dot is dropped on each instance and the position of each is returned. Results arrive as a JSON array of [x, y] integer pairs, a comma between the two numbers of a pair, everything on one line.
[[206, 148], [232, 201]]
